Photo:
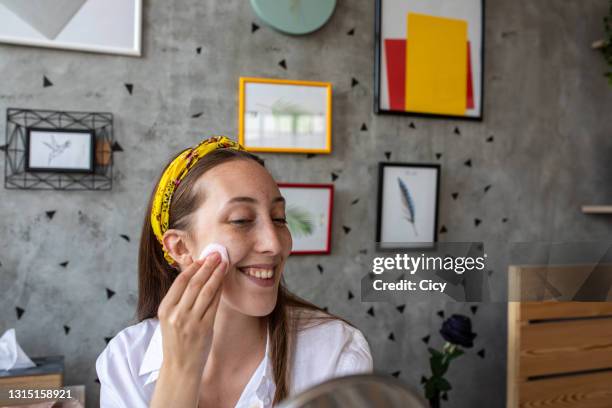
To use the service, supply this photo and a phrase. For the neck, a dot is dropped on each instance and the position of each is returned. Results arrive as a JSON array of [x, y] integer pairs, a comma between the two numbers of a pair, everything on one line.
[[237, 338]]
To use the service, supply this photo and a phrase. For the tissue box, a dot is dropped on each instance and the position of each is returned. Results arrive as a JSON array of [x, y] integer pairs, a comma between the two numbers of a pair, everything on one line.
[[48, 374]]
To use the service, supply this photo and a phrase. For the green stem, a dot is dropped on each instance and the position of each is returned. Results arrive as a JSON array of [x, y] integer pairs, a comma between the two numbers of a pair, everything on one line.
[[448, 350]]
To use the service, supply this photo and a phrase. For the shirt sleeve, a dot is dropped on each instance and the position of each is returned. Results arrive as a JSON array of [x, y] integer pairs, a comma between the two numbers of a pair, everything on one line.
[[111, 374], [355, 357]]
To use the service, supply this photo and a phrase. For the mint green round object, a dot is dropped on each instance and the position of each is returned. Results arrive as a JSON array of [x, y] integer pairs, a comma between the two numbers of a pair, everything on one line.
[[294, 16]]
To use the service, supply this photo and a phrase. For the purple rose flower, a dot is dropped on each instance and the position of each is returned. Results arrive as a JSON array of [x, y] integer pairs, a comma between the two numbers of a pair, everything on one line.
[[457, 329]]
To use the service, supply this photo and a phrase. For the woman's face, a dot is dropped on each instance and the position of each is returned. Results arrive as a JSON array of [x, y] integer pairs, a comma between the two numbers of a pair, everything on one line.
[[244, 211]]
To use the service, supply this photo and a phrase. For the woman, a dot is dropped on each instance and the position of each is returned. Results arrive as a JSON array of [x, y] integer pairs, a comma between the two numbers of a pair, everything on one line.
[[233, 336]]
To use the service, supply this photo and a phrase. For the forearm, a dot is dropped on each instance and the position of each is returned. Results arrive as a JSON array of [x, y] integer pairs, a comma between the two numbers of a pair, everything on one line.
[[176, 387]]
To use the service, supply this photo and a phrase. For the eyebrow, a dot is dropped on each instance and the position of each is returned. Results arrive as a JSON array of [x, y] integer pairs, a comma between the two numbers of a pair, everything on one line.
[[252, 200]]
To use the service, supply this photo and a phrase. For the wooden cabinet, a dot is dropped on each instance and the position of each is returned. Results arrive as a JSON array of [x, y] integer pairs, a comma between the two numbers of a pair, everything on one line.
[[559, 353]]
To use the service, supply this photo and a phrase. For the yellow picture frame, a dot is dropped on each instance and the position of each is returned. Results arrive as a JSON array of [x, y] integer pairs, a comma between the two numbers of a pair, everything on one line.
[[243, 83]]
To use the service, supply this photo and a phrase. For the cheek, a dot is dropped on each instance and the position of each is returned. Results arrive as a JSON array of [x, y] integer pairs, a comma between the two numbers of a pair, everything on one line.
[[289, 243], [284, 236], [237, 249], [237, 245]]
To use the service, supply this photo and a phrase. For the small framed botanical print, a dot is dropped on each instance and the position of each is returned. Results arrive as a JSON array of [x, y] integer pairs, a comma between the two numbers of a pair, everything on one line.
[[407, 205], [59, 150], [308, 209], [284, 116]]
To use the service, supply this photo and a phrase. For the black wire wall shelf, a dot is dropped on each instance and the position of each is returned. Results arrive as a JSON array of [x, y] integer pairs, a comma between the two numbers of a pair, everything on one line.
[[20, 121]]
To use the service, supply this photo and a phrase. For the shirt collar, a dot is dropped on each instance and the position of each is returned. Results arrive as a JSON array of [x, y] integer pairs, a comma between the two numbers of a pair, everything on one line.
[[266, 385], [152, 360]]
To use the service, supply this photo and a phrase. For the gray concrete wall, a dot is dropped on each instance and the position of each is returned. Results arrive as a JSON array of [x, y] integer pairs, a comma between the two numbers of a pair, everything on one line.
[[547, 107]]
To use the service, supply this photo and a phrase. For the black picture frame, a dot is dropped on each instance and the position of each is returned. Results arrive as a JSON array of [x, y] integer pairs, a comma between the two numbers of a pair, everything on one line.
[[377, 73], [28, 142], [379, 214]]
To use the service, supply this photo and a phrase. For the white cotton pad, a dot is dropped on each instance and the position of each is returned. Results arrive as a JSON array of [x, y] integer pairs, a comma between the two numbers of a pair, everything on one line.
[[215, 248]]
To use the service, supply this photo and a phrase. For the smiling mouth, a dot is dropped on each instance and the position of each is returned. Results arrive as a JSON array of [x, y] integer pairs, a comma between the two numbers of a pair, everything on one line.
[[263, 273]]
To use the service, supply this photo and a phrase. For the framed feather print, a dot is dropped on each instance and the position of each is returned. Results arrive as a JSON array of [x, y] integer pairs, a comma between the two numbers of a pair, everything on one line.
[[429, 58], [408, 197], [308, 209]]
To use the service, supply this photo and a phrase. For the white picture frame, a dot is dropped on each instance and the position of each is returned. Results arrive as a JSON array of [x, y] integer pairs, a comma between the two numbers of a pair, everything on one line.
[[101, 26]]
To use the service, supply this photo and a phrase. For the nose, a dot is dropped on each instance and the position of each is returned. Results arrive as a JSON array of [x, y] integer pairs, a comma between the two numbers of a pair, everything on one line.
[[269, 238]]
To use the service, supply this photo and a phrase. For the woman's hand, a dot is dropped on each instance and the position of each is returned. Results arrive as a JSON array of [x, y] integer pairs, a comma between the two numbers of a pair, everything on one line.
[[187, 315]]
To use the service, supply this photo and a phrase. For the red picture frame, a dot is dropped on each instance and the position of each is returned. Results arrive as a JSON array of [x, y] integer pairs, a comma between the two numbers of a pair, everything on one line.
[[326, 249]]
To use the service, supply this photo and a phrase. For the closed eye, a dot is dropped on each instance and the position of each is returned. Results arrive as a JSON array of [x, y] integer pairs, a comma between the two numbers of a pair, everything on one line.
[[240, 222]]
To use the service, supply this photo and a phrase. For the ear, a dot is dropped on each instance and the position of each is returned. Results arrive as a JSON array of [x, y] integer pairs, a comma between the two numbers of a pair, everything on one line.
[[178, 245]]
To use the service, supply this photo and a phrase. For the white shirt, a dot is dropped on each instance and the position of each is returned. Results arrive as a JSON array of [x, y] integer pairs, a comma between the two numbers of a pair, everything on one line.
[[129, 365]]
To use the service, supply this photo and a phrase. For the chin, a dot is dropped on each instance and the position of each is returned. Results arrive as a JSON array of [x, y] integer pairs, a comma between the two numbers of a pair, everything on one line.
[[262, 312], [253, 304], [260, 307]]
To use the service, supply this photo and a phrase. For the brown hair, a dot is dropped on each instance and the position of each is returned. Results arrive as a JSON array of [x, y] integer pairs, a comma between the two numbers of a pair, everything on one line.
[[155, 275]]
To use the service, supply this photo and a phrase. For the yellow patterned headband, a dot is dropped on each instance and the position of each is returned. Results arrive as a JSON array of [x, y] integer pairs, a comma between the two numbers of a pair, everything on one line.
[[174, 173]]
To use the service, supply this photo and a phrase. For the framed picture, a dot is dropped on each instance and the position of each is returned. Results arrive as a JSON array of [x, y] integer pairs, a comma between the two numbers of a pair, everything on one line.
[[69, 151], [308, 210], [407, 206], [105, 26], [429, 58], [277, 115]]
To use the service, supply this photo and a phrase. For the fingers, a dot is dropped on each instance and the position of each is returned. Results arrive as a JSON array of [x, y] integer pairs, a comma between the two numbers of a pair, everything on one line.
[[211, 291], [209, 314], [190, 261], [177, 288], [198, 280]]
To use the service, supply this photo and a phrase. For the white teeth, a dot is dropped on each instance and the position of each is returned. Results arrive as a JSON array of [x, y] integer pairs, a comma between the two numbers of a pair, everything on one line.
[[259, 273]]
